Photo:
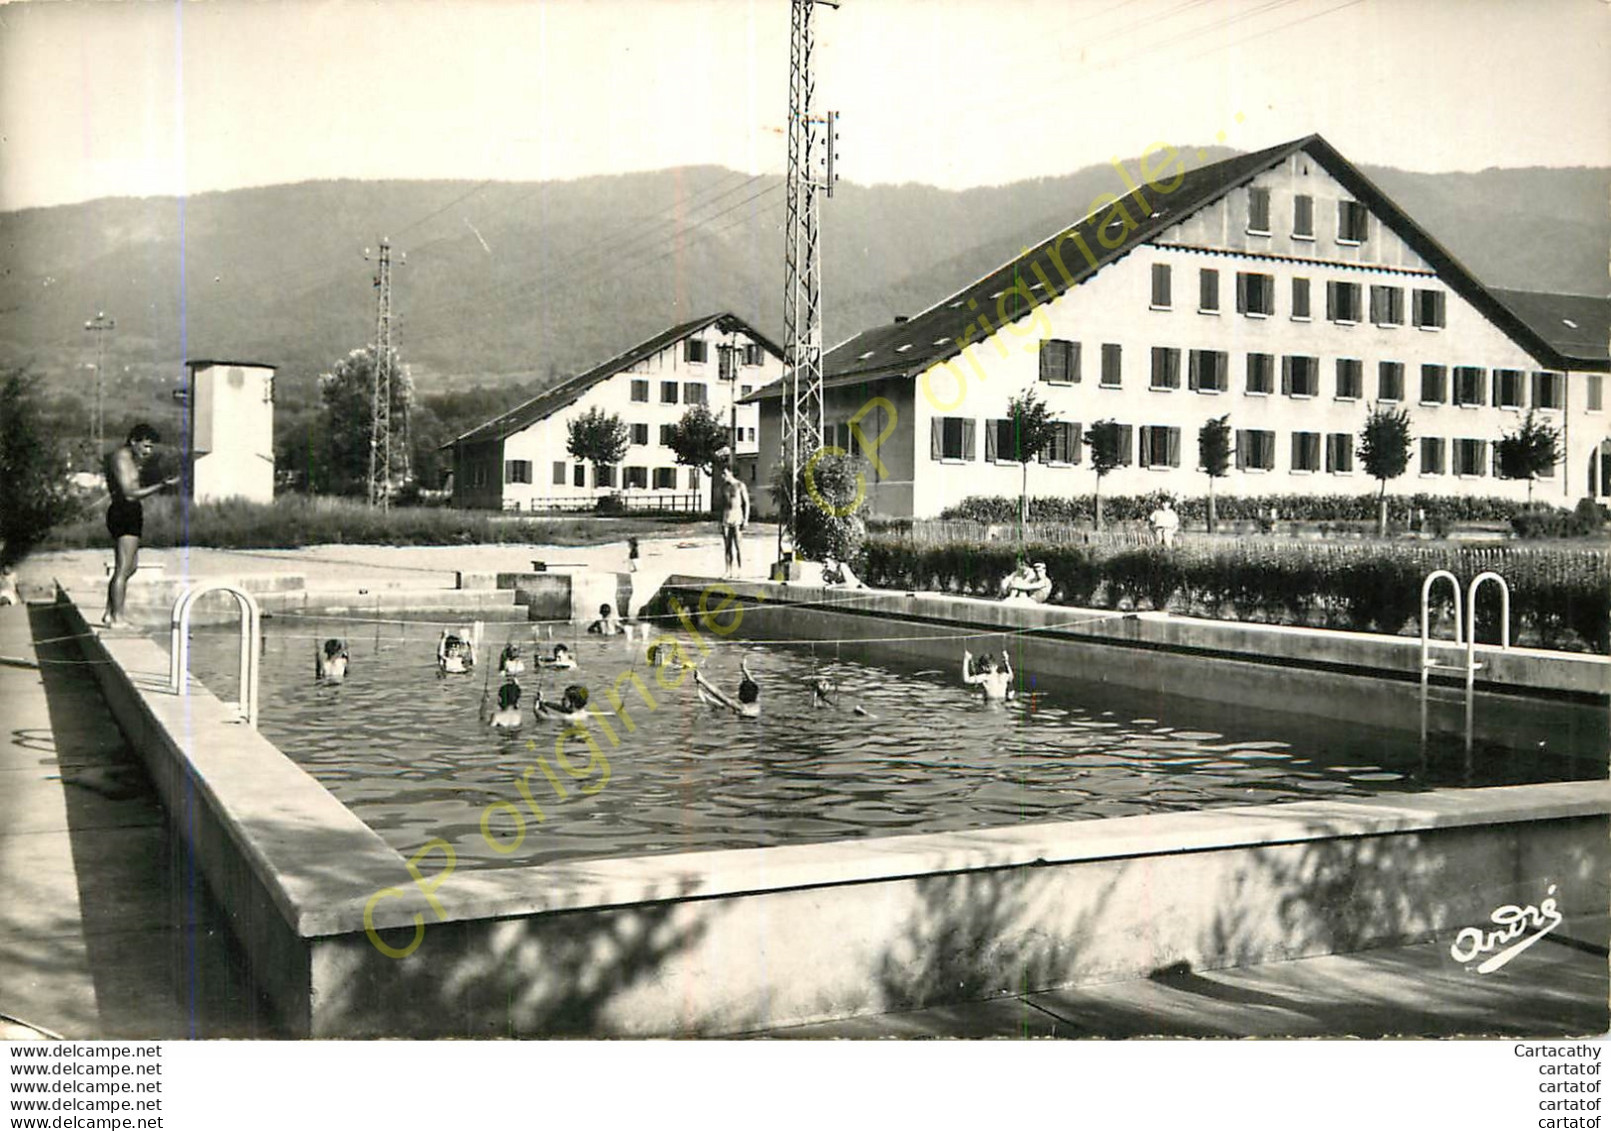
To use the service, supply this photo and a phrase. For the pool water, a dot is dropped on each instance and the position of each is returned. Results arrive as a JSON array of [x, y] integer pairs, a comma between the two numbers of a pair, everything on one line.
[[404, 749]]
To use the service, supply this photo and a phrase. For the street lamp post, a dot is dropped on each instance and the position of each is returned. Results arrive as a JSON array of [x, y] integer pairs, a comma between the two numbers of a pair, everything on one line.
[[99, 326]]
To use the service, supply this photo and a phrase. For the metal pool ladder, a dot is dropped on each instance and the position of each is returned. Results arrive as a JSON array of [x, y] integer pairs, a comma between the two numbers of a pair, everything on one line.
[[251, 636], [1469, 631]]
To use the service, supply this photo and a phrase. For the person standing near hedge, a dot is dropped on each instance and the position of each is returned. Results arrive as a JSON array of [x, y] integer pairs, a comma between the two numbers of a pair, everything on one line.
[[125, 517]]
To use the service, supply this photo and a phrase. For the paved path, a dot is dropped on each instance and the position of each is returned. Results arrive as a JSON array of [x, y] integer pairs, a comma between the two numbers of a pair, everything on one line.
[[105, 930]]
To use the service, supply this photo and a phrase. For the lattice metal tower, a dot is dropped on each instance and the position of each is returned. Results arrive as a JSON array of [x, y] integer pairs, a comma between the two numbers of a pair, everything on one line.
[[802, 284], [100, 326], [380, 431]]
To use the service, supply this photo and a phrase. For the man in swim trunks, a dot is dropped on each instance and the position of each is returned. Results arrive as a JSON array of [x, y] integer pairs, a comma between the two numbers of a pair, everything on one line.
[[125, 518], [735, 515], [994, 679]]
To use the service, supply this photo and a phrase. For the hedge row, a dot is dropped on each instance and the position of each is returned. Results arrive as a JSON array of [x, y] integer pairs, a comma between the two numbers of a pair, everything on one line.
[[1232, 508], [1558, 600]]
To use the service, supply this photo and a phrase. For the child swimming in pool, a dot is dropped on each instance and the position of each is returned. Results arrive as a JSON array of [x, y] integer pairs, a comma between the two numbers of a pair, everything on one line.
[[509, 662], [993, 678], [561, 660], [507, 716], [748, 704], [571, 708], [330, 661], [608, 623], [455, 653]]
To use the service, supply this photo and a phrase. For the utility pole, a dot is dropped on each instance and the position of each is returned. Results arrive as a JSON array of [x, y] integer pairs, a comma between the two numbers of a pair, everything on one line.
[[380, 431], [100, 325], [802, 285]]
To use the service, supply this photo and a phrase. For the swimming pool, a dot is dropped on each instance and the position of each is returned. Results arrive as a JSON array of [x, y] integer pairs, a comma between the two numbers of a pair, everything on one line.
[[403, 749]]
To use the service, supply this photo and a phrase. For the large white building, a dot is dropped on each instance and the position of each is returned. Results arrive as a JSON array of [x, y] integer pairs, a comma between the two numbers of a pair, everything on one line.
[[1280, 288], [520, 461], [230, 430]]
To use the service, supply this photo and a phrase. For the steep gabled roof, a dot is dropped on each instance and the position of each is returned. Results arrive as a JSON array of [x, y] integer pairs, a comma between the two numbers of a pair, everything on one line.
[[569, 391], [905, 349], [1576, 326]]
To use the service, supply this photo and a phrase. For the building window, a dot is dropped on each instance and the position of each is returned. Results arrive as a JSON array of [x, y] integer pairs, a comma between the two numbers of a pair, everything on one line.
[[1208, 371], [580, 476], [1390, 381], [668, 392], [1060, 361], [640, 391], [693, 392], [1300, 376], [1340, 453], [753, 355], [517, 471], [1350, 378], [1470, 457], [1255, 449], [1343, 301], [745, 390], [1306, 451], [1303, 217], [1431, 456], [1165, 367], [694, 351], [1470, 385], [1065, 445], [1434, 387], [1258, 211], [1387, 306], [1208, 291], [665, 435], [1549, 390], [1000, 441], [1300, 300], [665, 479], [636, 477], [1260, 373], [1508, 388], [1255, 294], [559, 473], [1160, 446], [1160, 286], [1112, 361], [951, 437], [640, 433], [1429, 311], [604, 476], [1353, 222], [1592, 391]]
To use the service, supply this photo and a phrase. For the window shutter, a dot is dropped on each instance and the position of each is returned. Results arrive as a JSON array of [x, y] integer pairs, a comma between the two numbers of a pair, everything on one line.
[[1075, 442], [1194, 376], [1145, 459], [1241, 292], [1172, 368], [1481, 457], [1126, 444], [991, 441], [1172, 446], [1286, 376], [1241, 448], [967, 439], [1331, 302], [1331, 453], [936, 437], [1074, 362]]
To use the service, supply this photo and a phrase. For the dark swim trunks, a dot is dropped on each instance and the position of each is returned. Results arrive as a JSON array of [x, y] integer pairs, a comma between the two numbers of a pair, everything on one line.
[[124, 518]]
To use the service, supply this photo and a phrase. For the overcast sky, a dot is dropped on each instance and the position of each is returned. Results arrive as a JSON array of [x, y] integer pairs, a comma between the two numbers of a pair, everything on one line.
[[143, 98]]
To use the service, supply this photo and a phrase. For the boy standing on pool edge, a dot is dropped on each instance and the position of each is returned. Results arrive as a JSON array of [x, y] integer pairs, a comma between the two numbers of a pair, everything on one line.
[[735, 515], [125, 517]]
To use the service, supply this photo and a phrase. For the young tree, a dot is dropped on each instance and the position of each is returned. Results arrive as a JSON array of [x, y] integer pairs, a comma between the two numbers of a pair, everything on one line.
[[1105, 439], [699, 439], [348, 393], [1384, 452], [1033, 428], [598, 438], [1532, 450], [1214, 454], [34, 466]]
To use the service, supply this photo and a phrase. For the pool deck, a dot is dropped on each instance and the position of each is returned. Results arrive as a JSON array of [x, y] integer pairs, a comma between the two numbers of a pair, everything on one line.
[[110, 933]]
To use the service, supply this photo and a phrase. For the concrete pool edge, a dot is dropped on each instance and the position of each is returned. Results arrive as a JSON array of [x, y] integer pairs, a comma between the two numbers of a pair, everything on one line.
[[722, 941]]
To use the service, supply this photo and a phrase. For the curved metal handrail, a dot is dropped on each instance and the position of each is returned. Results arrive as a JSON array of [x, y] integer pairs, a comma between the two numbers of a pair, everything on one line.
[[251, 634], [1504, 622], [1426, 615]]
